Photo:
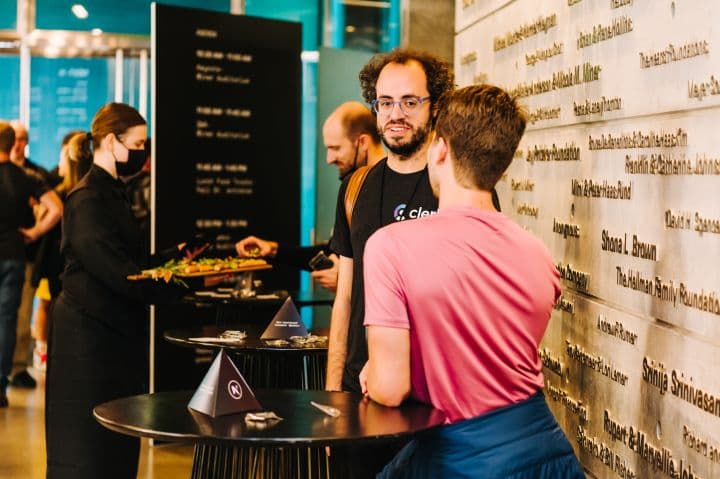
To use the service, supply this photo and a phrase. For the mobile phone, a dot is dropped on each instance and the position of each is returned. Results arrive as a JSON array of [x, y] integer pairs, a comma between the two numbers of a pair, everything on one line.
[[320, 261]]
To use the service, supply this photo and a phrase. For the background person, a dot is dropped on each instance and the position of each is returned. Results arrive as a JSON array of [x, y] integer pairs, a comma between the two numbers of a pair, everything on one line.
[[97, 342], [17, 189], [24, 348], [457, 304], [74, 163], [351, 141]]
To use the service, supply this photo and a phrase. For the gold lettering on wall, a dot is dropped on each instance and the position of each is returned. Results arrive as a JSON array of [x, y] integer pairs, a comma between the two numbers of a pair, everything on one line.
[[596, 363], [600, 106], [601, 189], [577, 75], [543, 54], [579, 279], [703, 89], [543, 113], [671, 164], [542, 24], [639, 139], [568, 152], [671, 291], [526, 209], [522, 185], [601, 33], [674, 54]]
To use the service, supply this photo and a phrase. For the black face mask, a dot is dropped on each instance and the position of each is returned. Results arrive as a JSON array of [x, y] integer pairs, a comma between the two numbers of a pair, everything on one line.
[[135, 162]]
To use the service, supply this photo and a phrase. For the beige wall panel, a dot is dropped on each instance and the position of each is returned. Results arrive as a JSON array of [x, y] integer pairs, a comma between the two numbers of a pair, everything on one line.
[[621, 151], [605, 357]]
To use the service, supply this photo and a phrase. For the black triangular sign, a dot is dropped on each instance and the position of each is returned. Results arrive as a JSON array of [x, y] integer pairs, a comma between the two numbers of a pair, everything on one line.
[[223, 390], [286, 323]]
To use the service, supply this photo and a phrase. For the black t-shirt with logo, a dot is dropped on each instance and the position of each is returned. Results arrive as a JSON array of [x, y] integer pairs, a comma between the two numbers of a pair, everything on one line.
[[385, 197], [16, 189]]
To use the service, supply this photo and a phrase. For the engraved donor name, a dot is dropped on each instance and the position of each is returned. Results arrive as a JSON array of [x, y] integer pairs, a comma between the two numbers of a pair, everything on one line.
[[670, 164], [543, 54], [566, 229], [619, 245], [703, 89], [674, 54], [562, 79], [569, 152], [700, 445], [596, 363], [542, 24], [638, 139], [575, 406], [544, 113], [550, 361], [468, 58], [593, 107], [680, 386], [600, 33], [659, 458], [604, 189], [616, 329], [522, 185], [670, 291], [526, 209], [563, 304], [687, 221], [579, 278], [602, 452]]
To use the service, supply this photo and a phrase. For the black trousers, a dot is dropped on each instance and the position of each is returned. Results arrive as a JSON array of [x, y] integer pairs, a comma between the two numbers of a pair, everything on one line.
[[87, 365]]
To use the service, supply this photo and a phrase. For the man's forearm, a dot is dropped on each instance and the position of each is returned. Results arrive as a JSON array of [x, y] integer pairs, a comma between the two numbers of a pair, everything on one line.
[[337, 344]]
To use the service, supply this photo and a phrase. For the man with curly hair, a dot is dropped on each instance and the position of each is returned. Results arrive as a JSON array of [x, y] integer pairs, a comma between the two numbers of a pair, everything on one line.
[[403, 87]]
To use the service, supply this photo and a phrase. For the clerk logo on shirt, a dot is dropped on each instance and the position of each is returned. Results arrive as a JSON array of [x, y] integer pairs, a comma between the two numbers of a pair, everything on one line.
[[419, 212]]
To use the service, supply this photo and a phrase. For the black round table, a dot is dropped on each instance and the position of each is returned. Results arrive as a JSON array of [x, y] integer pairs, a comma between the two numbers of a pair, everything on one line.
[[262, 365], [231, 308], [296, 442]]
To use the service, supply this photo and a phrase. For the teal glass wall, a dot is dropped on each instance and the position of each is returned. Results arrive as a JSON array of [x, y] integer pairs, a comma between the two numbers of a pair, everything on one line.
[[64, 96], [8, 14], [105, 14], [9, 87]]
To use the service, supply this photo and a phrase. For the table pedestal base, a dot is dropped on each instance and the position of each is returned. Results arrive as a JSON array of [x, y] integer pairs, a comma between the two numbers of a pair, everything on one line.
[[211, 461]]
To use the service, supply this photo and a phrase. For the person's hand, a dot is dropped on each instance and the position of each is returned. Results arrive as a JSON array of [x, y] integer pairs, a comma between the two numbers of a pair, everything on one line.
[[30, 235], [253, 246], [327, 278], [212, 281], [363, 380], [192, 253]]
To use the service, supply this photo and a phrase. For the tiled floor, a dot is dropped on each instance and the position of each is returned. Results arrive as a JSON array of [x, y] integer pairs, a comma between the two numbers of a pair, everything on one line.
[[22, 442]]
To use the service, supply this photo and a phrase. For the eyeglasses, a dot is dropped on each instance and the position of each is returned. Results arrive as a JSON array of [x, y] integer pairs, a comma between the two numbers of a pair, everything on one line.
[[408, 105]]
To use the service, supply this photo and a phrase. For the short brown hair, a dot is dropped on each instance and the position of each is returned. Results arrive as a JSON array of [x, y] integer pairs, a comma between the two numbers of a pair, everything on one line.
[[483, 125], [115, 118], [439, 75], [7, 137], [359, 122]]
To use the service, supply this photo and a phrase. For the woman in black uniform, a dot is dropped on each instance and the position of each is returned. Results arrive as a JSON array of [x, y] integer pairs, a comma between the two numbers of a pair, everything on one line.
[[96, 348]]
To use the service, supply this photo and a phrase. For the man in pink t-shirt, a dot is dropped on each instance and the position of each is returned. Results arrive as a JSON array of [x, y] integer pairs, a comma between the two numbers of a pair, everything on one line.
[[456, 306]]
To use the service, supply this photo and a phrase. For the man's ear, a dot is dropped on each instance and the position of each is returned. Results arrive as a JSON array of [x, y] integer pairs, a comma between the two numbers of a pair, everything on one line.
[[438, 151]]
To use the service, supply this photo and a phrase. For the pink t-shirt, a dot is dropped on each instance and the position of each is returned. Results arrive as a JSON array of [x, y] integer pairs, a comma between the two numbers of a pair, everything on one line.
[[476, 291]]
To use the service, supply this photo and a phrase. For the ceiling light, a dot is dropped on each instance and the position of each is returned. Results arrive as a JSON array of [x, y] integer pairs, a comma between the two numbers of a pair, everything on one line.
[[350, 29], [96, 32], [79, 11]]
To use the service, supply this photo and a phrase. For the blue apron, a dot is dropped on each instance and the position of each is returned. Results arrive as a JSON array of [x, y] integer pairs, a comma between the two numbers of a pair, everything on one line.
[[520, 441]]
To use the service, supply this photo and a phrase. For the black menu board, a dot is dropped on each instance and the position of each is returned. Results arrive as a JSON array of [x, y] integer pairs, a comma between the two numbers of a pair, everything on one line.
[[226, 128], [226, 152]]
